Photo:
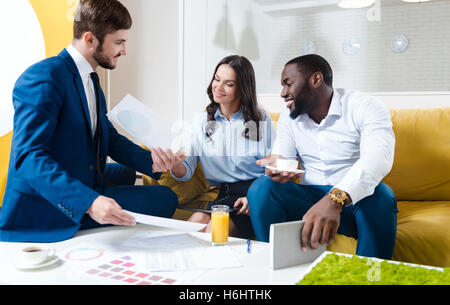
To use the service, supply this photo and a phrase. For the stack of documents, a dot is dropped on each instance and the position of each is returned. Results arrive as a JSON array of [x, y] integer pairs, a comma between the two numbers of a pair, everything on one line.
[[170, 250], [180, 252]]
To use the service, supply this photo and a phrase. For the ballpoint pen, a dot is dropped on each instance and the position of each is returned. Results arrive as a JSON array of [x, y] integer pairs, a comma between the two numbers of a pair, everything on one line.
[[232, 210], [248, 245]]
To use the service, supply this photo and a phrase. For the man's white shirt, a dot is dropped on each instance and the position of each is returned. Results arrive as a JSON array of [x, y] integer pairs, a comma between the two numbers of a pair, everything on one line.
[[85, 69], [351, 149]]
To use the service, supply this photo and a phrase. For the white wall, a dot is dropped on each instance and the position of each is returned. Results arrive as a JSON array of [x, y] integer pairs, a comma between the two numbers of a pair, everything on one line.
[[214, 29], [175, 45], [270, 34], [424, 66], [27, 47], [150, 70]]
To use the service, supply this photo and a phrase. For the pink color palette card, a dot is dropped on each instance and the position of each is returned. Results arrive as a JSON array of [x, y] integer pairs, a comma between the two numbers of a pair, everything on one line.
[[124, 271]]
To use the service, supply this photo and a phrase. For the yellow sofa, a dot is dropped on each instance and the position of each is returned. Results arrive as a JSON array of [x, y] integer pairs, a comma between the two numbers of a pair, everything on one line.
[[5, 148], [195, 193], [420, 178]]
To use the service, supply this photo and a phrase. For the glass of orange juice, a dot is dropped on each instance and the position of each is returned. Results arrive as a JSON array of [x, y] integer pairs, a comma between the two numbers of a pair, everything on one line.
[[220, 216]]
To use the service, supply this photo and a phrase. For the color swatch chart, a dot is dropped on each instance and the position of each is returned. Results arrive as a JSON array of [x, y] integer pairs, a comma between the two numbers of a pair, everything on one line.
[[123, 270]]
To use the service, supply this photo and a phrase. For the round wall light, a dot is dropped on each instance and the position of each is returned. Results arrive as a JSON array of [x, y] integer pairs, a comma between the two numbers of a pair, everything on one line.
[[399, 43]]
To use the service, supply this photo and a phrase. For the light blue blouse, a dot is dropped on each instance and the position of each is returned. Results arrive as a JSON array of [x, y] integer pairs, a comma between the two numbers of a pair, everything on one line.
[[226, 155]]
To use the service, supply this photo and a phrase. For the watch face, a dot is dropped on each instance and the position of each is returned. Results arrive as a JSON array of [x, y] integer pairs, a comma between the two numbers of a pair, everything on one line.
[[339, 194]]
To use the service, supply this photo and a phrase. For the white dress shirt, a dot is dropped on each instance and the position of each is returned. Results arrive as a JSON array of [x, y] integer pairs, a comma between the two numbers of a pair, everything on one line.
[[351, 149], [85, 69], [227, 156]]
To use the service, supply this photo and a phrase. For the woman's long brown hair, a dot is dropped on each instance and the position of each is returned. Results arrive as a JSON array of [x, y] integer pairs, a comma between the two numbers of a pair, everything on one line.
[[245, 77]]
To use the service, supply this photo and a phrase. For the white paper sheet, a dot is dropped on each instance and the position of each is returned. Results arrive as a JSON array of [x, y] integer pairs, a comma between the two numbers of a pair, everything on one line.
[[186, 226], [144, 124], [181, 252]]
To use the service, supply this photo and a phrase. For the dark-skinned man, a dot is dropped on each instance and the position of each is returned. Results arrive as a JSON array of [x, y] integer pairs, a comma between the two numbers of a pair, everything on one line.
[[345, 143]]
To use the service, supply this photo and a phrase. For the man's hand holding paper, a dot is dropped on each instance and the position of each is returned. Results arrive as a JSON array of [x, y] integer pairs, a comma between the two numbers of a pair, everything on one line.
[[106, 210]]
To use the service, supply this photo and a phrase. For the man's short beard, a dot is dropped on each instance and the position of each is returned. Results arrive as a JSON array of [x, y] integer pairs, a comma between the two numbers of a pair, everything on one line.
[[102, 60], [301, 102], [296, 112]]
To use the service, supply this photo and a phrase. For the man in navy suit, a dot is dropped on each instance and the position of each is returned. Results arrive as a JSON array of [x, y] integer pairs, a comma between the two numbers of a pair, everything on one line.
[[58, 179]]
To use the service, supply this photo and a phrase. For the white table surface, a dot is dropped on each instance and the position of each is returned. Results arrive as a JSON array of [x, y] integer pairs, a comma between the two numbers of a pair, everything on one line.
[[255, 268]]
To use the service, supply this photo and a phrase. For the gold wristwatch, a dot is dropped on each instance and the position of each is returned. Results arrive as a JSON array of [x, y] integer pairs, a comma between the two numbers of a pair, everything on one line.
[[340, 197]]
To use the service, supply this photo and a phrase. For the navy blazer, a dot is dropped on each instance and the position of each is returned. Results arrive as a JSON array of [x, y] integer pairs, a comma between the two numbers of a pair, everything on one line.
[[52, 179]]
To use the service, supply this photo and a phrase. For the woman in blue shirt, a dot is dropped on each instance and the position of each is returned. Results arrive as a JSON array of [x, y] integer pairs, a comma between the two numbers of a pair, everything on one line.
[[227, 139]]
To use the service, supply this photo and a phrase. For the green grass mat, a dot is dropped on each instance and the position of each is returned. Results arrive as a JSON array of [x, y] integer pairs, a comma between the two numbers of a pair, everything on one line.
[[342, 270]]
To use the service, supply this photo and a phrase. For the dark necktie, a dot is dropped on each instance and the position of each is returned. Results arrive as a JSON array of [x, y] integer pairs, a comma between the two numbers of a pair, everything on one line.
[[98, 129]]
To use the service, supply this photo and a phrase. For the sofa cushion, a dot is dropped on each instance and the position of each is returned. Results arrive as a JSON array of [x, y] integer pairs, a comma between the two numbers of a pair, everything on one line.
[[196, 188], [422, 234], [422, 159], [275, 116]]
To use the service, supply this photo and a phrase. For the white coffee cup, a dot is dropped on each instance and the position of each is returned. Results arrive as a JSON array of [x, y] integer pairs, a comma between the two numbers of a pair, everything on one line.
[[287, 165], [35, 255]]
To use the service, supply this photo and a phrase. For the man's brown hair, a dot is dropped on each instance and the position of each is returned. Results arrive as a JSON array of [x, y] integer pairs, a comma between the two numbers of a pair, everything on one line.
[[101, 17]]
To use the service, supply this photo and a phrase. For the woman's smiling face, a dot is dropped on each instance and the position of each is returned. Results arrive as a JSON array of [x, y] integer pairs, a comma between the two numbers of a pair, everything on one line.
[[224, 86]]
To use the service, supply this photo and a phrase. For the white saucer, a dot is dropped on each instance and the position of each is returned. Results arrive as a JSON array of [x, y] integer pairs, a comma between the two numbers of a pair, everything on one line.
[[295, 171], [18, 264]]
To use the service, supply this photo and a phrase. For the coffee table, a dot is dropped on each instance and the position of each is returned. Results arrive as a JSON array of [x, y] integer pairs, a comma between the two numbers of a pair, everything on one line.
[[255, 268]]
